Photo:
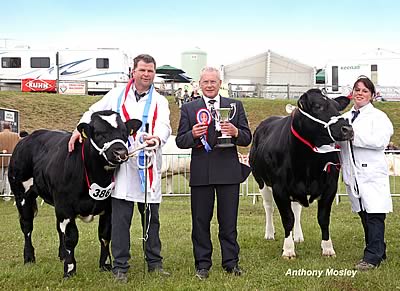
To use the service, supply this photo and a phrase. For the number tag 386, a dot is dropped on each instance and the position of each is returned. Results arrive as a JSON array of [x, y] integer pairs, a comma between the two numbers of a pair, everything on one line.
[[99, 193]]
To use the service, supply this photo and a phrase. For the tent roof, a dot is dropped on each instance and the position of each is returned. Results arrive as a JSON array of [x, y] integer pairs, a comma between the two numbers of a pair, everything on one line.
[[167, 69]]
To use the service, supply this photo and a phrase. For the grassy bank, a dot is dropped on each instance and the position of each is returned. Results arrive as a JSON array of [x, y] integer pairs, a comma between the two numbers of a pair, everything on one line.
[[52, 111]]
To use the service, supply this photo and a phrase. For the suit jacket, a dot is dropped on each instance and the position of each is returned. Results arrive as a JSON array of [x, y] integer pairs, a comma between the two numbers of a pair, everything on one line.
[[221, 165]]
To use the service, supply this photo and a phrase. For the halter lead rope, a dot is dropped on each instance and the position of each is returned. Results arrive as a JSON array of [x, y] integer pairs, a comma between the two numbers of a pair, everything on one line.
[[149, 151]]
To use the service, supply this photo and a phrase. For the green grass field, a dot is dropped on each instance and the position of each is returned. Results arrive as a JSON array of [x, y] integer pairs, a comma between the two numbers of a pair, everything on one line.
[[261, 259]]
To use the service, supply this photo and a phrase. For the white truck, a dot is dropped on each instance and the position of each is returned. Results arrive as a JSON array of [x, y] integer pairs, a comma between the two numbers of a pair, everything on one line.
[[381, 66], [101, 68]]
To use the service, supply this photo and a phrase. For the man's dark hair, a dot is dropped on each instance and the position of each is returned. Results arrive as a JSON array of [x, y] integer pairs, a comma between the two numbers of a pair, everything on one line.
[[148, 59]]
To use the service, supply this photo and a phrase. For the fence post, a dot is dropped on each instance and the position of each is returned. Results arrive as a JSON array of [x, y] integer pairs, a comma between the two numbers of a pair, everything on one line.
[[258, 88], [115, 83], [288, 91], [86, 87]]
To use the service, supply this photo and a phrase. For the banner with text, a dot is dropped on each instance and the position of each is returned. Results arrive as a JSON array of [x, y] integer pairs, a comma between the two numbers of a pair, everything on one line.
[[37, 85], [72, 88]]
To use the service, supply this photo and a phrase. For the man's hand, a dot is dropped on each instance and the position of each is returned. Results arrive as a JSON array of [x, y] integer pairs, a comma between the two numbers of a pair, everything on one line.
[[149, 139], [228, 128], [199, 129], [71, 143]]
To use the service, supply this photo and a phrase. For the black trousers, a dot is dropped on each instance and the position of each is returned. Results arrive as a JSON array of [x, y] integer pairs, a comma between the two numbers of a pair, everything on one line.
[[122, 212], [202, 205], [374, 231]]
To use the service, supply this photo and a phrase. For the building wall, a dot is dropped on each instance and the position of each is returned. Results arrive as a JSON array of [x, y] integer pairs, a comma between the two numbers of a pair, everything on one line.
[[281, 70]]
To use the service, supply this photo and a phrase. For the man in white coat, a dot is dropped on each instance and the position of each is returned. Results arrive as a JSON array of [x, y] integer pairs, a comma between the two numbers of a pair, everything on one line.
[[365, 171], [137, 100]]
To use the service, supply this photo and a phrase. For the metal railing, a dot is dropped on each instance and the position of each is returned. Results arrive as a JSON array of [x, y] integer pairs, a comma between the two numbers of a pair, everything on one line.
[[175, 179]]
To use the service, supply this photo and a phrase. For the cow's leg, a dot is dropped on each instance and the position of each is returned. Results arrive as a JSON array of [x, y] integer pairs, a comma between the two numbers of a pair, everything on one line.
[[27, 208], [284, 206], [324, 213], [297, 231], [268, 203], [62, 252], [70, 238], [104, 231]]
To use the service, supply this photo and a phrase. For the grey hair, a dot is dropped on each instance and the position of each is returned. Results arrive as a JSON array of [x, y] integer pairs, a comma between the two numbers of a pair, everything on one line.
[[210, 69]]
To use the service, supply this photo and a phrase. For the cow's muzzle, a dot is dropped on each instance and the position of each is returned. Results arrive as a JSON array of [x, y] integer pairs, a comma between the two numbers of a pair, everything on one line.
[[347, 132], [120, 155]]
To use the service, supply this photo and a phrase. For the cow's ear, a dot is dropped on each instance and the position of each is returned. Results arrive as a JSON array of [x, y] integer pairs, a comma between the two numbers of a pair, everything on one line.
[[84, 129], [342, 101], [302, 103], [133, 125]]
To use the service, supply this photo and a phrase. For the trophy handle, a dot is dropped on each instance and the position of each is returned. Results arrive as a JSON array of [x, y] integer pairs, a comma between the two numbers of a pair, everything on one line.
[[233, 108]]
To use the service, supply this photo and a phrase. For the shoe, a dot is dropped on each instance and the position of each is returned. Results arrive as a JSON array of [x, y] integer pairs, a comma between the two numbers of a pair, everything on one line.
[[159, 271], [364, 266], [202, 274], [236, 270], [120, 277]]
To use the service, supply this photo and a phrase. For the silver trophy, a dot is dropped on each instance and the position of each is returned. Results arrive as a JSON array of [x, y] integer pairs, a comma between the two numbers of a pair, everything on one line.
[[223, 115]]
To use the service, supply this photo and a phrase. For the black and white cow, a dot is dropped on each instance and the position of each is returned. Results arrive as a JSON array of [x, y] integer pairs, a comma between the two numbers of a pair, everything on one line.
[[42, 166], [295, 156]]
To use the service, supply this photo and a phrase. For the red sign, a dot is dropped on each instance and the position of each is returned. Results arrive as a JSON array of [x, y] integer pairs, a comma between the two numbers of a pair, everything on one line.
[[36, 85]]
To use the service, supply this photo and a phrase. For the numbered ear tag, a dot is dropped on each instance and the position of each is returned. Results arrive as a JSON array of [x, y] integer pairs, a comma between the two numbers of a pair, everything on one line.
[[99, 193]]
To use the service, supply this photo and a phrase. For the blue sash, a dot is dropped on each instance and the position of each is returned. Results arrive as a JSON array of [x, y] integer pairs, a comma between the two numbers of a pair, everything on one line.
[[141, 157]]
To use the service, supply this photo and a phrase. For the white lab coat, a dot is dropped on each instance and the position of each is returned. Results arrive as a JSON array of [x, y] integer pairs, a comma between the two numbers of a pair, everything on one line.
[[127, 179], [372, 132]]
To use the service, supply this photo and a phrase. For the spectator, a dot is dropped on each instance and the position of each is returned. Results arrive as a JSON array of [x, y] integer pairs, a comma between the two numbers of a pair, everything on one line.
[[209, 174], [195, 95], [8, 141], [142, 102], [365, 171], [178, 97], [186, 97]]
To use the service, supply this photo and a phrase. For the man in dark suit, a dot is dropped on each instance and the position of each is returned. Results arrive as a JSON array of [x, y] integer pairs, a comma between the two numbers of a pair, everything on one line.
[[214, 169]]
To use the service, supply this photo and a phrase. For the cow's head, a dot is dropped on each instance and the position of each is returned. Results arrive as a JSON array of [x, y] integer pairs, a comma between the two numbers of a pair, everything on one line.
[[321, 119], [108, 134]]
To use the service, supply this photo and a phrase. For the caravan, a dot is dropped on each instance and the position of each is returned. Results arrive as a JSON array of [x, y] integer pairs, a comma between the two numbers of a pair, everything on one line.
[[101, 68], [381, 66]]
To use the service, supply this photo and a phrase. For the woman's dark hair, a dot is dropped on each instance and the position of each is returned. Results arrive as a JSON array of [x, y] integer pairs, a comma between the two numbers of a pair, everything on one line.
[[367, 83]]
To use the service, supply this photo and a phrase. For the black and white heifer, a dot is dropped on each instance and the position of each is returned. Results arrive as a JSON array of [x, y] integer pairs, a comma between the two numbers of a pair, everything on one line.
[[295, 156], [77, 184]]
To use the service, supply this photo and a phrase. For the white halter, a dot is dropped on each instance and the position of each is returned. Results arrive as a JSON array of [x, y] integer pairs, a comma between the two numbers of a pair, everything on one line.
[[326, 125], [106, 146]]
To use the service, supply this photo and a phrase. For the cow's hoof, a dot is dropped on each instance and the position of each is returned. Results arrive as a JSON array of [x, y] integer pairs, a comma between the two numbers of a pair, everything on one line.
[[269, 237], [289, 257], [329, 254], [30, 260], [106, 268], [69, 275], [327, 248]]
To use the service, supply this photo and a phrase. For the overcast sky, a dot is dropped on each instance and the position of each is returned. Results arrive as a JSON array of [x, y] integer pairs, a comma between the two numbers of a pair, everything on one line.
[[311, 32]]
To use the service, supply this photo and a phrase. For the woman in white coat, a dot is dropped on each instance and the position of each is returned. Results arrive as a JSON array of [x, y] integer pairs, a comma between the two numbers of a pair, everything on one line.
[[365, 171]]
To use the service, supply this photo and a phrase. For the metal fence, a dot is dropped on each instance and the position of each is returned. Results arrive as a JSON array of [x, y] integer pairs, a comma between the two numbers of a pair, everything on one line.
[[175, 179]]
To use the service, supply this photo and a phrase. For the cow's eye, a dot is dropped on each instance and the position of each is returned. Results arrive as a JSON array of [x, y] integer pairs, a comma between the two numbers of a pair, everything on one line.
[[318, 107]]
